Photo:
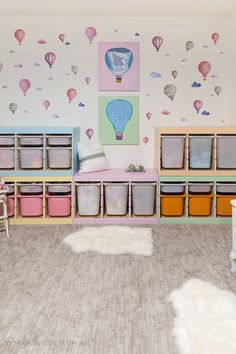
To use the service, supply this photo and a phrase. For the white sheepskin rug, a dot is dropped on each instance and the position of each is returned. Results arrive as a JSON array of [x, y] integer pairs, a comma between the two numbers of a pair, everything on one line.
[[206, 319], [112, 240]]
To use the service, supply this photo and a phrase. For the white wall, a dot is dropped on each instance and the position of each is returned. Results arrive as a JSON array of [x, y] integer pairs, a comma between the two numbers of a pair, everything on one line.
[[172, 56]]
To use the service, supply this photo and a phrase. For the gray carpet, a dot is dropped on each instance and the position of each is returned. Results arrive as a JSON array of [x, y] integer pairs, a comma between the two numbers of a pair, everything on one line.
[[55, 301]]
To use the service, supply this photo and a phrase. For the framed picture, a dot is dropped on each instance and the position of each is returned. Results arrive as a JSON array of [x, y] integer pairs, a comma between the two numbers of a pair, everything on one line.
[[118, 66], [118, 120]]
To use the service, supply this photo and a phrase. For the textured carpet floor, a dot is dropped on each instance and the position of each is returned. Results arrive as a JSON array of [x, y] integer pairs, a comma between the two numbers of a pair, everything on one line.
[[55, 301]]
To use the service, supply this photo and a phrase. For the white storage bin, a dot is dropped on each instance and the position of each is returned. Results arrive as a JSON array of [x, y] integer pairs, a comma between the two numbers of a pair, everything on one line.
[[200, 187], [31, 140], [59, 188], [173, 188], [31, 158], [62, 140], [172, 151], [59, 157], [200, 151], [30, 188], [226, 148], [143, 198], [88, 198], [7, 140], [116, 198], [7, 158], [226, 188]]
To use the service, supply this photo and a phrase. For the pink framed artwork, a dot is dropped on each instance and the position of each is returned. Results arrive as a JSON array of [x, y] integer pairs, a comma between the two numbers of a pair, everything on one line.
[[118, 66]]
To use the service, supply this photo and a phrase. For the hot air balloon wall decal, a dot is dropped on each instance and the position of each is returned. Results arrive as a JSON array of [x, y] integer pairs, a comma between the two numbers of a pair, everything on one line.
[[118, 120], [118, 66]]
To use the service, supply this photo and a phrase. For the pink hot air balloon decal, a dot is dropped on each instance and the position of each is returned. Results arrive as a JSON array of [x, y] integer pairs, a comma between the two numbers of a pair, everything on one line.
[[89, 133], [91, 33], [19, 35], [145, 140], [87, 80], [204, 67], [174, 73], [50, 58], [157, 42], [24, 85], [215, 37], [61, 37], [148, 115], [197, 105], [46, 104], [71, 93]]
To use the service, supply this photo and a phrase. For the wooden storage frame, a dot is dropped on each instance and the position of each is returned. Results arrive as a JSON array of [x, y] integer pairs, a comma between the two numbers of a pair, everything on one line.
[[201, 131], [117, 175]]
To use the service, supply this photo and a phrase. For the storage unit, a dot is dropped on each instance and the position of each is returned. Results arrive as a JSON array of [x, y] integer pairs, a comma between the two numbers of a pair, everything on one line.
[[31, 158], [200, 152], [143, 198], [172, 151], [7, 158], [226, 156], [59, 158], [88, 198], [116, 198], [172, 205]]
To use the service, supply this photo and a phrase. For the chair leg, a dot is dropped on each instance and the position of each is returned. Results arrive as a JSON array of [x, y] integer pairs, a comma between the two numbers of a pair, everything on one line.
[[5, 218]]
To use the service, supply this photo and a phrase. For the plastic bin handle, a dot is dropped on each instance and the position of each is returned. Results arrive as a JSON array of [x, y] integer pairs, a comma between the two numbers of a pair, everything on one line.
[[30, 196], [57, 196]]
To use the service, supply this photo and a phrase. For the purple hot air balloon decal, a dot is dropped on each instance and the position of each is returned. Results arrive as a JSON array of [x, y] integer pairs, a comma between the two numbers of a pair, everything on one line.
[[50, 58], [148, 115], [87, 80], [197, 104], [157, 42], [174, 73], [145, 140], [89, 133], [91, 33], [24, 85], [46, 104], [61, 37]]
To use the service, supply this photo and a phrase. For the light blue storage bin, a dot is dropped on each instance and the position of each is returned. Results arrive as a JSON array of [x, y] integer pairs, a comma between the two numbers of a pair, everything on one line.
[[200, 152]]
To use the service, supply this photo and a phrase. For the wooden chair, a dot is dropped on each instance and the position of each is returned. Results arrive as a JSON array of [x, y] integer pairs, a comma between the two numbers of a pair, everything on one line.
[[3, 205]]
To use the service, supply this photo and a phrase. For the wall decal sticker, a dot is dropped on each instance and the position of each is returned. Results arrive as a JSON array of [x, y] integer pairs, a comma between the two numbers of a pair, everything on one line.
[[4, 86], [214, 76], [184, 60], [24, 85], [170, 91], [13, 107], [204, 68], [61, 37], [81, 104], [36, 64], [46, 104], [197, 104], [55, 116], [91, 33], [189, 45], [39, 89], [155, 75], [205, 46], [50, 58], [75, 69], [19, 35], [183, 119], [18, 65], [196, 84], [137, 34], [50, 78], [148, 115], [71, 93], [157, 41], [89, 133], [67, 43], [217, 90], [215, 36], [145, 140], [118, 66], [42, 41], [174, 73], [87, 80], [11, 51], [205, 113], [118, 120], [165, 113]]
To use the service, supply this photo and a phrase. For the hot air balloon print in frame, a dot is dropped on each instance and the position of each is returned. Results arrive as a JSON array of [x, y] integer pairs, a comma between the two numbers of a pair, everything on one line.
[[118, 120], [118, 66]]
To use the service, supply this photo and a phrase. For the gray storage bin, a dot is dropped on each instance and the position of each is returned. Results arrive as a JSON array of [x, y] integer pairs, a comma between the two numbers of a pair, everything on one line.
[[143, 198], [226, 148], [200, 152], [31, 158], [7, 158], [31, 140], [116, 198], [226, 188], [59, 157], [200, 187], [172, 151], [58, 188], [11, 188], [30, 188], [173, 188], [88, 198], [7, 140], [56, 140]]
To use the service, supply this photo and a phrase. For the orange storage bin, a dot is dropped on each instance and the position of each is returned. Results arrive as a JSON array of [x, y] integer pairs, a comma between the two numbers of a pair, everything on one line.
[[172, 205], [223, 206], [200, 205]]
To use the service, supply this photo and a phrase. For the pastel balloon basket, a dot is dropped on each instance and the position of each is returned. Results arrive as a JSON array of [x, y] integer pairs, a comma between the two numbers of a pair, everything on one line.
[[119, 136]]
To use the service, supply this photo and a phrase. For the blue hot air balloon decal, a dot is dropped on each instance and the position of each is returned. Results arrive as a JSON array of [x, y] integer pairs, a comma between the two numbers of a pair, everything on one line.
[[119, 61], [119, 112]]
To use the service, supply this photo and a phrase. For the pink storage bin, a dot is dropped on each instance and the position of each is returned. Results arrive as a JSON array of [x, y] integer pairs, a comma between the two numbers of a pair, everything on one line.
[[7, 158], [59, 205], [10, 207], [31, 205]]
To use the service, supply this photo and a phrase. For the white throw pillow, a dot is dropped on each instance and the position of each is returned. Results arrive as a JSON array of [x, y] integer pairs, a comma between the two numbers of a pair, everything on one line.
[[92, 157]]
